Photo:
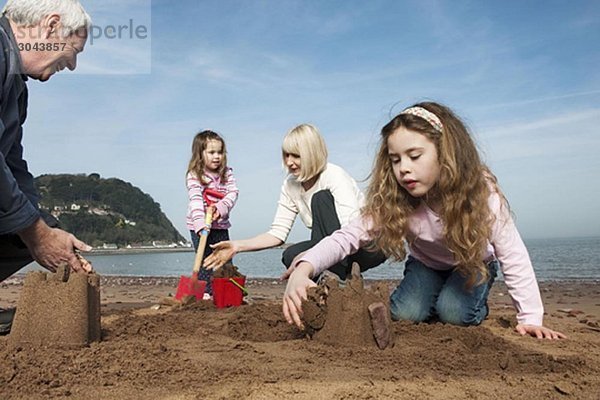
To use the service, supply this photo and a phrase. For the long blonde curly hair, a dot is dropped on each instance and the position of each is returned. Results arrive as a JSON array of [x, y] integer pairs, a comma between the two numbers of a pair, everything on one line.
[[463, 189]]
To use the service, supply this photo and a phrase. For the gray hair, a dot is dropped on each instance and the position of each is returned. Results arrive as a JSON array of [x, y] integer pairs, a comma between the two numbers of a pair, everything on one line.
[[30, 12]]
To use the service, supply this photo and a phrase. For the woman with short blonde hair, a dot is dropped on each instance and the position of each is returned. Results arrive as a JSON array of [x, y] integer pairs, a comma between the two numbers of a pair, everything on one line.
[[306, 142], [324, 196]]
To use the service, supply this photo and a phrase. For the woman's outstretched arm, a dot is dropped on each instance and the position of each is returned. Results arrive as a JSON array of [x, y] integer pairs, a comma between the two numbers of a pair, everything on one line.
[[224, 251]]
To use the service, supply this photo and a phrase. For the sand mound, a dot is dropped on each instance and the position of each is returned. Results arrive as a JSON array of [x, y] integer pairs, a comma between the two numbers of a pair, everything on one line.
[[250, 352], [228, 270], [200, 350]]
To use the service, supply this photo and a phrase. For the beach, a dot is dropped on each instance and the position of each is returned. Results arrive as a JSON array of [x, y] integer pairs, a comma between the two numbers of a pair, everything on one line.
[[155, 351]]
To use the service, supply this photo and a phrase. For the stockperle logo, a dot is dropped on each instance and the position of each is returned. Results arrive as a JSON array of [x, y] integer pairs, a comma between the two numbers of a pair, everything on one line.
[[120, 38], [131, 30]]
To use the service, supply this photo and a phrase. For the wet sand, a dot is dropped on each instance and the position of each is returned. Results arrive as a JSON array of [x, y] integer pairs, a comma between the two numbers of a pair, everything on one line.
[[155, 351]]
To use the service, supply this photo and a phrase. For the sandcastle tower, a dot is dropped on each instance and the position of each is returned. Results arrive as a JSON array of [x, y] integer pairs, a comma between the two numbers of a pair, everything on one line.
[[341, 315], [58, 310]]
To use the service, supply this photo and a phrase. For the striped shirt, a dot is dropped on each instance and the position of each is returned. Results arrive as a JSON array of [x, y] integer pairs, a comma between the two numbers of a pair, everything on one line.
[[196, 206]]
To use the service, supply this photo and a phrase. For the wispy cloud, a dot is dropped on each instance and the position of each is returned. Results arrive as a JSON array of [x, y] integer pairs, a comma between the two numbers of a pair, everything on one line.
[[549, 139], [540, 99], [554, 123]]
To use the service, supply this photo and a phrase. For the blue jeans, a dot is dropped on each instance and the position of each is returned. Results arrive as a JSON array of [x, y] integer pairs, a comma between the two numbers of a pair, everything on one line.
[[425, 293]]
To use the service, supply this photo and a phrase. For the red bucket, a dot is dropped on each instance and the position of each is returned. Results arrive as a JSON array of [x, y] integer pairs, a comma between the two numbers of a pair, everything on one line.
[[188, 288], [225, 293]]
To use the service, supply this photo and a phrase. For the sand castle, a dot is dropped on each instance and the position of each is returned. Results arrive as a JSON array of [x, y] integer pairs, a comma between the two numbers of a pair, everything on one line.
[[58, 310], [349, 315]]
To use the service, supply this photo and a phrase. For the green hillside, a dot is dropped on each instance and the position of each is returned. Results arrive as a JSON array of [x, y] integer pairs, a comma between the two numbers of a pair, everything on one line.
[[100, 211]]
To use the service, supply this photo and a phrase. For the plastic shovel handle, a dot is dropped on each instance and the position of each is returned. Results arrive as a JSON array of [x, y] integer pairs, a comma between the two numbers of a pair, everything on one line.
[[243, 289], [203, 238]]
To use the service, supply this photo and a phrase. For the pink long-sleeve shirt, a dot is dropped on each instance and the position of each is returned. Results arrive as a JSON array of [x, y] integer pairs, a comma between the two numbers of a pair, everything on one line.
[[426, 244], [196, 208]]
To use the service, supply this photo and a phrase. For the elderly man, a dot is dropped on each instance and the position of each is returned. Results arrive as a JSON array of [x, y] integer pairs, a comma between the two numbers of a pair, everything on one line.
[[38, 38]]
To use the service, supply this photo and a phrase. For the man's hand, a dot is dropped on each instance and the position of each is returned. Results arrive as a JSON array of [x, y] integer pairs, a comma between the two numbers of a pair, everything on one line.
[[295, 292], [539, 332], [53, 247], [222, 252]]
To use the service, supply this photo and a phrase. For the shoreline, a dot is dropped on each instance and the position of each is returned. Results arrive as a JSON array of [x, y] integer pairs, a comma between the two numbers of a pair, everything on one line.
[[121, 251], [19, 277], [138, 250]]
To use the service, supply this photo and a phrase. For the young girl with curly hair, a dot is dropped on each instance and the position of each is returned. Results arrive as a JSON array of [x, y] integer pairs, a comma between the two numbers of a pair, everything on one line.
[[430, 191]]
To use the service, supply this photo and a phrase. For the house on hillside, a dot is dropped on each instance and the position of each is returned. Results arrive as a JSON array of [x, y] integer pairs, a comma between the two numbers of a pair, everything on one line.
[[163, 245]]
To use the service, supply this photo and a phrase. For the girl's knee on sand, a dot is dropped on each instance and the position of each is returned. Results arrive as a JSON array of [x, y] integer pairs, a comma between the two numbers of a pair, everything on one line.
[[407, 309], [460, 314], [448, 308], [452, 316]]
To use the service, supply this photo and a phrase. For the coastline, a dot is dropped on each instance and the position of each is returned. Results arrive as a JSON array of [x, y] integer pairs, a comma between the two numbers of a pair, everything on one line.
[[137, 250]]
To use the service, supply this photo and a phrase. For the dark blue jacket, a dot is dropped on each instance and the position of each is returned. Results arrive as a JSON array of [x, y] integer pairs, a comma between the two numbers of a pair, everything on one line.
[[18, 197]]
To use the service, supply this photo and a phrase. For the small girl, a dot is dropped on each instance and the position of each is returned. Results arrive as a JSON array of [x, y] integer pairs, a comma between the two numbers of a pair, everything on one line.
[[208, 170], [430, 190]]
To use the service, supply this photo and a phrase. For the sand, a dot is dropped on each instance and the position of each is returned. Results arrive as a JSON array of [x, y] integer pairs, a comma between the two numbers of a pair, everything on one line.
[[339, 315], [59, 310], [250, 352]]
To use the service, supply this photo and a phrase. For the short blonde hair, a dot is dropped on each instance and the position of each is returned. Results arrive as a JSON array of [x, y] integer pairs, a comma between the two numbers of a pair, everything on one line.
[[306, 141]]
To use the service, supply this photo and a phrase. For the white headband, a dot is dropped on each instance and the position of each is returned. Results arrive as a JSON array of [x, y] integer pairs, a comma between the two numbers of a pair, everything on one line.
[[427, 116]]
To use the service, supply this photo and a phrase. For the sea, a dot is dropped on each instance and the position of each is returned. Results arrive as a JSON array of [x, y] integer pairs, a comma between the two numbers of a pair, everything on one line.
[[553, 260]]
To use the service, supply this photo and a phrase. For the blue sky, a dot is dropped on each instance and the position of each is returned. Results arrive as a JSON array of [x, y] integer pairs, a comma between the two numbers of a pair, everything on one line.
[[523, 74]]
